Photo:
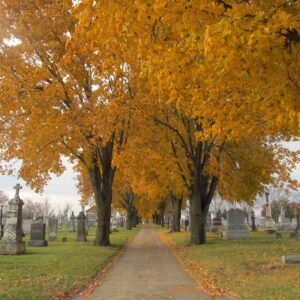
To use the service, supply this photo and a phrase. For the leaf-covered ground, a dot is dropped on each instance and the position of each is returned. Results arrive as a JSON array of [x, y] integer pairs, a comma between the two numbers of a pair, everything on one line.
[[58, 270], [245, 269]]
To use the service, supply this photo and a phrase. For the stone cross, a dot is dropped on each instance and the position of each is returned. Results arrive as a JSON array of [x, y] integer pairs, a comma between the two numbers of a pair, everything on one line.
[[18, 187]]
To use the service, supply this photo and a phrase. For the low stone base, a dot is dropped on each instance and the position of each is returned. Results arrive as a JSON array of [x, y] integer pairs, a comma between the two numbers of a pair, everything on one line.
[[291, 259], [38, 243], [52, 238], [235, 234], [12, 248]]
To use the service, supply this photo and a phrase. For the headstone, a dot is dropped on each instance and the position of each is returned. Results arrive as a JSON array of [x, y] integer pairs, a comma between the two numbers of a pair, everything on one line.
[[64, 239], [208, 221], [235, 227], [52, 229], [298, 221], [11, 242], [269, 223], [291, 259], [216, 224], [72, 223], [113, 222], [81, 233], [27, 225], [293, 235], [278, 235], [38, 234]]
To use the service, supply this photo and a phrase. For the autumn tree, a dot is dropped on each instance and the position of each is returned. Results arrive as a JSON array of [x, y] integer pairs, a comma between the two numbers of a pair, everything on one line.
[[222, 77], [60, 101]]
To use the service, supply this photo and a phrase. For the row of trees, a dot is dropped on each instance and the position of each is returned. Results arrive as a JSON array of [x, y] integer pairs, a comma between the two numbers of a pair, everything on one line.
[[162, 99]]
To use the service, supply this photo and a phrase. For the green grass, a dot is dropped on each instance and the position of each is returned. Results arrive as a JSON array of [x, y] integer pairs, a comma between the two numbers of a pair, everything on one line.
[[59, 269], [251, 268]]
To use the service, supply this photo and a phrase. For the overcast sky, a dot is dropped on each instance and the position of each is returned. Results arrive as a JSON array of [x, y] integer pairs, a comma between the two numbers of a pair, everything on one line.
[[62, 190]]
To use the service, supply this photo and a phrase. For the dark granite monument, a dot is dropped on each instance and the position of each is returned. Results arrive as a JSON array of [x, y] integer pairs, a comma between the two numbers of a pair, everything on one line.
[[38, 234]]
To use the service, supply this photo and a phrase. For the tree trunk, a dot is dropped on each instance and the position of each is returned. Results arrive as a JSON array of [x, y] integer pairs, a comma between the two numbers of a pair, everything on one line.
[[176, 213], [134, 218], [128, 200], [102, 180], [203, 189], [129, 219], [162, 209]]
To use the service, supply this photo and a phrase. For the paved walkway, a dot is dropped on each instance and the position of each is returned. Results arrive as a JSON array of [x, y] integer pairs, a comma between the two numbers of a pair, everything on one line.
[[147, 271]]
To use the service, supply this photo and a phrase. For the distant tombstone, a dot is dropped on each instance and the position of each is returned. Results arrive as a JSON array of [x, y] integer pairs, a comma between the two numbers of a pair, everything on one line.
[[72, 223], [38, 234], [293, 235], [208, 221], [81, 233], [278, 235], [11, 242], [26, 225], [235, 227], [52, 229], [298, 221], [64, 239]]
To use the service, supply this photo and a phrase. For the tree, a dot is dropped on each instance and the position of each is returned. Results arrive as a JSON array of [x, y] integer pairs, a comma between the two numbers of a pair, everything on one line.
[[3, 197], [73, 104]]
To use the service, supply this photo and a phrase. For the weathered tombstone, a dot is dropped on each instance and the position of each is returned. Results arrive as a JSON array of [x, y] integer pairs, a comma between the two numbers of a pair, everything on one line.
[[81, 233], [216, 223], [38, 234], [64, 239], [293, 235], [291, 259], [278, 235], [11, 242], [269, 220], [113, 223], [52, 229], [208, 221], [235, 227], [72, 223], [298, 221], [253, 225]]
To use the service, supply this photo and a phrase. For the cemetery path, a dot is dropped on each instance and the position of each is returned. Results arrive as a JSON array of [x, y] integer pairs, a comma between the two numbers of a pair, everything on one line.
[[147, 270]]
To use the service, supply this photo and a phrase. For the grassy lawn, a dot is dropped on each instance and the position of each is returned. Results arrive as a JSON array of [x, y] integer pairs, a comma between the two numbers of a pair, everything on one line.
[[57, 270], [246, 269]]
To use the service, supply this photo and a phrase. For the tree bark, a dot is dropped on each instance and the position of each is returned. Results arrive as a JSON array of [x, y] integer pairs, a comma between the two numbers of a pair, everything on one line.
[[176, 213], [203, 190], [102, 180], [162, 208], [128, 200]]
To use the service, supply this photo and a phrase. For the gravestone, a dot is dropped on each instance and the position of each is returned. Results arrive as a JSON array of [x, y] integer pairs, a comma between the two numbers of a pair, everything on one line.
[[81, 233], [235, 227], [269, 220], [208, 221], [298, 221], [278, 235], [38, 234], [72, 223], [52, 229], [291, 259], [216, 224], [11, 242]]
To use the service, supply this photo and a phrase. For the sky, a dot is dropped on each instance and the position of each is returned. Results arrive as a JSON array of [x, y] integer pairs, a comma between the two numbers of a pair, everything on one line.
[[62, 190]]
